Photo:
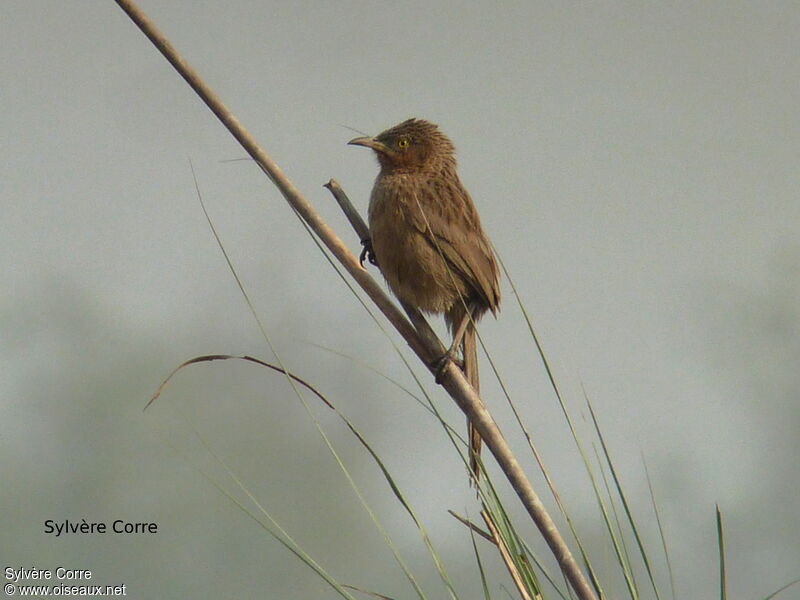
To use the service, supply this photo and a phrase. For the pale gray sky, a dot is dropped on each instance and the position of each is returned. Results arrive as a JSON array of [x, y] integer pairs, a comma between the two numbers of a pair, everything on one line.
[[634, 163]]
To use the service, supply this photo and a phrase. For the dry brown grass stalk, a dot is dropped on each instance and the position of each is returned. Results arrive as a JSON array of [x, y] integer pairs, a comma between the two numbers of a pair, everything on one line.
[[505, 554]]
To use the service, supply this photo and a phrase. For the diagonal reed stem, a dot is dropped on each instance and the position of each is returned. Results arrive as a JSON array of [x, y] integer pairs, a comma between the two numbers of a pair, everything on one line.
[[452, 378]]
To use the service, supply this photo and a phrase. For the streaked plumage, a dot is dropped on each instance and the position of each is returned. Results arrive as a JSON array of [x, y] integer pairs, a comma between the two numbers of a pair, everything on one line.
[[427, 236]]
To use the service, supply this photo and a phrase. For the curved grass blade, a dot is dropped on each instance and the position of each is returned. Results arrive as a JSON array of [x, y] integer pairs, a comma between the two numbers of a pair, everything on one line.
[[213, 357]]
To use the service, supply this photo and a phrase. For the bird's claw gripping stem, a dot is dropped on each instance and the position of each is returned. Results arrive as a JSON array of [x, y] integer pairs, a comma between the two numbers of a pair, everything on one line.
[[367, 253], [440, 364]]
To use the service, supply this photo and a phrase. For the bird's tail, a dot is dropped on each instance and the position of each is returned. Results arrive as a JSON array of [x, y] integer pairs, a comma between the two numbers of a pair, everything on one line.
[[469, 350]]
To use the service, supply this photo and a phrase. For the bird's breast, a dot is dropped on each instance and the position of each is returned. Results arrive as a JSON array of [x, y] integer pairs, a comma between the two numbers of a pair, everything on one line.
[[414, 271]]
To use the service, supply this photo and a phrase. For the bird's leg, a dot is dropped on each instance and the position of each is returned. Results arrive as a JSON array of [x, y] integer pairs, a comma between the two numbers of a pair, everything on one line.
[[458, 337], [367, 253], [458, 334]]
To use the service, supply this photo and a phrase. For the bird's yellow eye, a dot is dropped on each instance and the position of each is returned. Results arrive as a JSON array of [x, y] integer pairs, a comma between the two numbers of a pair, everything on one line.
[[402, 143]]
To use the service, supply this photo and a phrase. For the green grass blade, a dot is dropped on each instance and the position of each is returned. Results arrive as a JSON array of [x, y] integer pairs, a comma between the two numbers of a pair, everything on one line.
[[398, 494], [367, 592], [479, 562], [551, 377], [533, 557], [514, 543], [427, 406], [615, 513], [623, 498], [660, 529], [723, 586], [781, 589]]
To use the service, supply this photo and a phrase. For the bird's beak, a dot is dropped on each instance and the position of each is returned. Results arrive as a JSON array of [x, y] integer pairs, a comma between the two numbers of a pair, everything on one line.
[[369, 142]]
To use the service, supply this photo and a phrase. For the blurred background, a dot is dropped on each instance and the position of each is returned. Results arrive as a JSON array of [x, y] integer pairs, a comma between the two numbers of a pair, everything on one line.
[[635, 166]]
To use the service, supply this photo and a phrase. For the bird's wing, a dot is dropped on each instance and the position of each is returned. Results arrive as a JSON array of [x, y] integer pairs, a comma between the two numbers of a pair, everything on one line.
[[453, 228]]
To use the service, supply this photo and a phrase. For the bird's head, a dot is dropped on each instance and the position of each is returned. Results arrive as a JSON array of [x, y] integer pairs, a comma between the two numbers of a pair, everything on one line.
[[412, 145]]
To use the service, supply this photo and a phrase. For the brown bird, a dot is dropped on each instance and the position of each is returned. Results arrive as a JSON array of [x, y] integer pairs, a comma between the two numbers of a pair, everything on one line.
[[428, 241]]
